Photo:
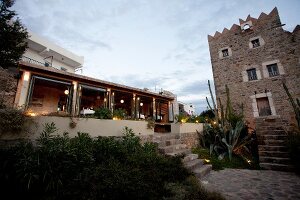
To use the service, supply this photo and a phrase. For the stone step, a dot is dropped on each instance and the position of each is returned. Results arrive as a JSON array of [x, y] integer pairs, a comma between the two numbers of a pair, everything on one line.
[[193, 164], [277, 154], [272, 132], [202, 171], [272, 148], [189, 157], [277, 167], [164, 137], [169, 142], [172, 148], [274, 137], [273, 142], [180, 152], [276, 160]]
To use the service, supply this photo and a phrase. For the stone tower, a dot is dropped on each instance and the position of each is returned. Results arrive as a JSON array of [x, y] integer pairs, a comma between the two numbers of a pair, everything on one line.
[[253, 59]]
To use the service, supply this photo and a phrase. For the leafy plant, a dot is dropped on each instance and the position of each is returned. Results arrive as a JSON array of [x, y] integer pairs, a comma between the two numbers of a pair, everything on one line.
[[12, 36], [296, 105], [56, 166], [119, 113], [103, 113], [226, 133]]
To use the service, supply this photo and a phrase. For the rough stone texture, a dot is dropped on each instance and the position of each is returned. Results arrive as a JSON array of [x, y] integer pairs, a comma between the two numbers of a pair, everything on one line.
[[244, 184], [8, 87], [279, 45], [146, 138], [189, 139]]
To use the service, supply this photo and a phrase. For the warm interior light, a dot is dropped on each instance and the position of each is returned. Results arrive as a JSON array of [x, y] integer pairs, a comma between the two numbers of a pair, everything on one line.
[[138, 98], [215, 122], [122, 101], [197, 121], [26, 76], [141, 104], [66, 92], [104, 99], [108, 89]]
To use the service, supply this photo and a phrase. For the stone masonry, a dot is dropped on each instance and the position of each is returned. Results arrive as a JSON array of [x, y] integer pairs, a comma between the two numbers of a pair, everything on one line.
[[253, 59], [8, 87], [276, 46]]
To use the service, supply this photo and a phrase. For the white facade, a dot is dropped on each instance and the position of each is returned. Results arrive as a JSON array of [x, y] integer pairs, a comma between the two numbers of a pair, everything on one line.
[[42, 52], [188, 108]]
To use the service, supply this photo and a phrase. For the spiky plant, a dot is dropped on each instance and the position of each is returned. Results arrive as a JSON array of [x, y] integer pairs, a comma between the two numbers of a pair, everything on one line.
[[296, 105]]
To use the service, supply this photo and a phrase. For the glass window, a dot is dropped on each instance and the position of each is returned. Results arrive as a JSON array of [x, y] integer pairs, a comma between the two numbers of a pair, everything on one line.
[[252, 74], [255, 43], [273, 70], [225, 52]]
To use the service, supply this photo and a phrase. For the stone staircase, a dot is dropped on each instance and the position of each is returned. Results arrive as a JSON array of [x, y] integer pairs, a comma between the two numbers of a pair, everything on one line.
[[272, 149], [170, 144]]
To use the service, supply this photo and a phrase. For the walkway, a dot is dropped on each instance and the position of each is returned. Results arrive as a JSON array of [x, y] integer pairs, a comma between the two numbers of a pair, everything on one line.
[[243, 184]]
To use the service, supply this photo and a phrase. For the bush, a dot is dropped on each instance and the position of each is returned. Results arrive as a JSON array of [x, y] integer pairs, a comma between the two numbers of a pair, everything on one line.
[[103, 113], [119, 113], [60, 167]]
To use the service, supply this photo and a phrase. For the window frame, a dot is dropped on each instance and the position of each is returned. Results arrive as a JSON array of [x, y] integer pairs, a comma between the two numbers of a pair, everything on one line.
[[252, 73]]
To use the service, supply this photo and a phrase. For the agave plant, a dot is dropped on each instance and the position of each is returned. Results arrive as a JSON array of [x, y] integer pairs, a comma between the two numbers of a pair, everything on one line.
[[233, 141]]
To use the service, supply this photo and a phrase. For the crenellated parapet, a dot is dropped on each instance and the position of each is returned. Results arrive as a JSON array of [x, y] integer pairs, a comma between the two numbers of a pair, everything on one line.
[[270, 20]]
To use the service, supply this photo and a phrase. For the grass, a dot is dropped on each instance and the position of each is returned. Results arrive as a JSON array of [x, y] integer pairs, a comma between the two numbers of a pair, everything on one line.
[[236, 162]]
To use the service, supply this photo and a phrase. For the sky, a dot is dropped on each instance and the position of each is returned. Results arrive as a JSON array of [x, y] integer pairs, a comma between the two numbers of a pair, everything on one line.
[[155, 44]]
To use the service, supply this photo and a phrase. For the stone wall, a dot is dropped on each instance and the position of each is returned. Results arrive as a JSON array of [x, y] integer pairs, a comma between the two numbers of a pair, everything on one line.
[[190, 139], [278, 46], [8, 87]]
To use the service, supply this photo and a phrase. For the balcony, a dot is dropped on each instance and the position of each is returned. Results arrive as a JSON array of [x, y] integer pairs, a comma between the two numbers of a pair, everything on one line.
[[32, 61]]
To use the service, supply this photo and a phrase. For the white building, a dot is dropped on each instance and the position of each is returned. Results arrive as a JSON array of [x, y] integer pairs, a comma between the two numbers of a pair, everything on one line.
[[43, 52], [186, 108]]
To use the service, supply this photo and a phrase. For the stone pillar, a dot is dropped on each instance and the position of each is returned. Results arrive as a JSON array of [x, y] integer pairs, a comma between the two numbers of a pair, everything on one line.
[[133, 107], [22, 91], [108, 98], [112, 100], [74, 98], [154, 109]]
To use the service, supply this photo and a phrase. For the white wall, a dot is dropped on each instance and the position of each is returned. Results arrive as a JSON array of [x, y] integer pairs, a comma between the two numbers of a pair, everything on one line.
[[95, 127], [56, 64], [186, 127]]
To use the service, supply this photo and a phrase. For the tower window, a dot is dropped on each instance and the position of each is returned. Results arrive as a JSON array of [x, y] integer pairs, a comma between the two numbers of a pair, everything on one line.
[[255, 43], [252, 74], [225, 52], [273, 70]]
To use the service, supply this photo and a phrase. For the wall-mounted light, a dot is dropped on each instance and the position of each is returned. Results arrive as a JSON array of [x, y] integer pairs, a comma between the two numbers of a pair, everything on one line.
[[66, 92], [105, 99], [141, 104], [138, 98], [122, 101], [26, 76]]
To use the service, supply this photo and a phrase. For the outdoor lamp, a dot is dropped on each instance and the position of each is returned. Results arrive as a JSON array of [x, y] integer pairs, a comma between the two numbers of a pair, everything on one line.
[[122, 101], [66, 92]]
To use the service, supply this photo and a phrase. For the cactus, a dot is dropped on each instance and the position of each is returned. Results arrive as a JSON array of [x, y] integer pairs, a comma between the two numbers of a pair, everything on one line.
[[215, 111], [296, 105]]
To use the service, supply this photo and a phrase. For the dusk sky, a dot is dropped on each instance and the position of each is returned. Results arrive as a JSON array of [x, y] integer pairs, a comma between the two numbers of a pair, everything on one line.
[[146, 43]]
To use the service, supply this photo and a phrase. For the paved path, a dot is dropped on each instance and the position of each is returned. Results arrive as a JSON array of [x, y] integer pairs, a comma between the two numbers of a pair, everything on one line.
[[245, 184]]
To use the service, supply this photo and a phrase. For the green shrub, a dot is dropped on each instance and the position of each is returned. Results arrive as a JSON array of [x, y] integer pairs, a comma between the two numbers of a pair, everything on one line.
[[60, 167], [103, 113], [119, 113]]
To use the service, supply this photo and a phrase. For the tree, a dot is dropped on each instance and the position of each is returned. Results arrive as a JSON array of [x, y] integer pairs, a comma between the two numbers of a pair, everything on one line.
[[13, 36]]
